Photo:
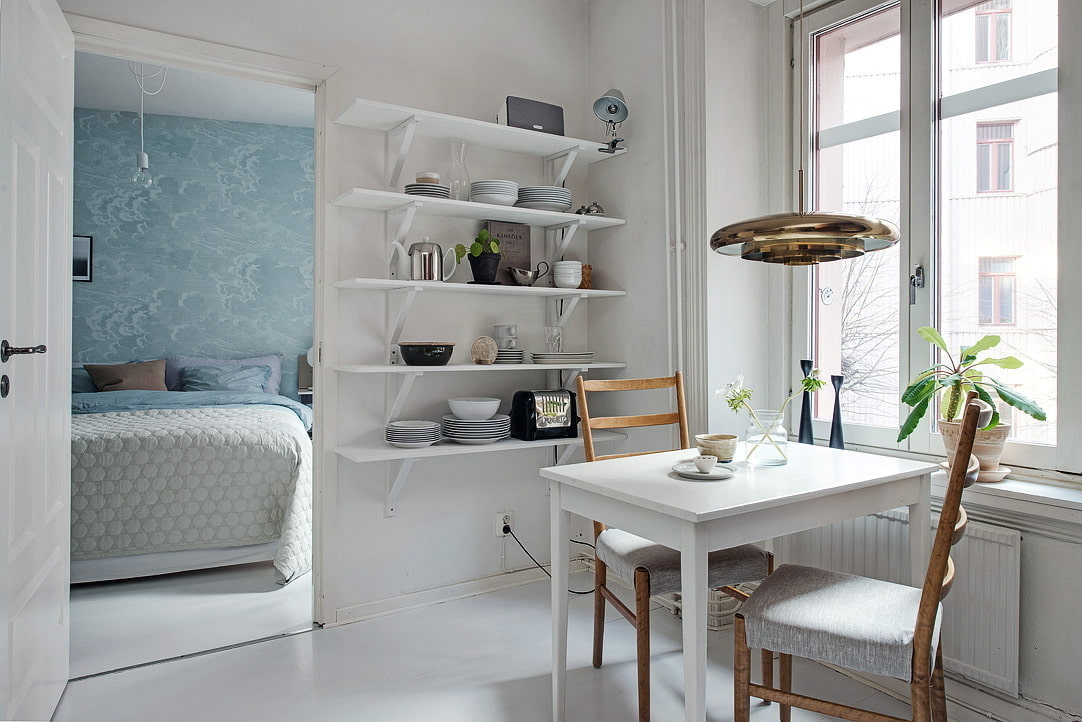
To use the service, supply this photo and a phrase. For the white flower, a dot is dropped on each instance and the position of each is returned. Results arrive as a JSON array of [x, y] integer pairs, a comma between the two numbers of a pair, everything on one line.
[[731, 389]]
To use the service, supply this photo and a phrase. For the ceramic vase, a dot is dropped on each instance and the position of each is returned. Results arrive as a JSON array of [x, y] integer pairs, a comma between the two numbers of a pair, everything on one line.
[[804, 432], [767, 439], [484, 267], [837, 440]]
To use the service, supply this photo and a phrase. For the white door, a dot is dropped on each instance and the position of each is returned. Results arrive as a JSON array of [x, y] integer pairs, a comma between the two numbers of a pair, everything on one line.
[[36, 98]]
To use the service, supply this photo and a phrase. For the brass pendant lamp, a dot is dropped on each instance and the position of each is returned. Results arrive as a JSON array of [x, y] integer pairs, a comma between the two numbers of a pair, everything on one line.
[[804, 239]]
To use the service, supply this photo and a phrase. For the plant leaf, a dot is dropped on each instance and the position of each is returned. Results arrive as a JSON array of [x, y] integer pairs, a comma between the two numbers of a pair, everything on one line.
[[986, 397], [983, 344], [920, 391], [911, 421], [932, 336], [1007, 362], [1018, 401]]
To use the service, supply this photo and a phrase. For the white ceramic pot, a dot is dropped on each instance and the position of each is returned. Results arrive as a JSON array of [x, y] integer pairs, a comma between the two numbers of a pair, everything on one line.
[[987, 447]]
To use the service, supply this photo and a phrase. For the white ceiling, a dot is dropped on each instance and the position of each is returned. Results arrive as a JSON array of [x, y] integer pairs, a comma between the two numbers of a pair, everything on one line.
[[105, 83]]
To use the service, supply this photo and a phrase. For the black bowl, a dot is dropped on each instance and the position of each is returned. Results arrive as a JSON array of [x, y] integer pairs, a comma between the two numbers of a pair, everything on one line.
[[426, 354]]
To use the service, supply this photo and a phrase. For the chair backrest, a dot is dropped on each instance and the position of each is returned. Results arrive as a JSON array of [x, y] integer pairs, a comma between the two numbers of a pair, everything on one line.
[[589, 423], [964, 468]]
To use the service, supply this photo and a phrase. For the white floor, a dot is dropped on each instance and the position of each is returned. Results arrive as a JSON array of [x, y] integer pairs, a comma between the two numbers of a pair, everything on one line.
[[119, 624], [482, 659]]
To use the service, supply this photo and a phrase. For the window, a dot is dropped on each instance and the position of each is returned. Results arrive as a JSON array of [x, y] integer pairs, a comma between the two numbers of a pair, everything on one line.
[[974, 188], [993, 21], [995, 148], [995, 294]]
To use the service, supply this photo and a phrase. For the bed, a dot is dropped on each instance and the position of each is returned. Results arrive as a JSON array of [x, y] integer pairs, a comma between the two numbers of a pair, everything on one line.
[[165, 481]]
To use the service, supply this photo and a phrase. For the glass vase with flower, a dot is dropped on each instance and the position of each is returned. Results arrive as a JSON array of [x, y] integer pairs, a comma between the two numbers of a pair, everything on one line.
[[766, 439]]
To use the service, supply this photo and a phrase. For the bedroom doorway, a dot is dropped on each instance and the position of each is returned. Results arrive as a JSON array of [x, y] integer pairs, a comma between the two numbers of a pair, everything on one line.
[[201, 274]]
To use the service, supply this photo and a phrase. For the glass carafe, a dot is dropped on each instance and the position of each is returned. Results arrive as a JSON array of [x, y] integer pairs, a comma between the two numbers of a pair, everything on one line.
[[457, 177]]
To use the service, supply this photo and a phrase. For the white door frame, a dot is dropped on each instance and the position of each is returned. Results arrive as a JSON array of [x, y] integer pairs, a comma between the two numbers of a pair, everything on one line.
[[109, 38]]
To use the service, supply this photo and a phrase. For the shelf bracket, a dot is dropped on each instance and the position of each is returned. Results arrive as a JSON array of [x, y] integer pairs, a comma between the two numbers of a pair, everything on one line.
[[403, 393], [396, 246], [403, 313], [394, 486], [569, 308], [558, 165], [565, 454], [562, 244], [397, 147], [574, 374]]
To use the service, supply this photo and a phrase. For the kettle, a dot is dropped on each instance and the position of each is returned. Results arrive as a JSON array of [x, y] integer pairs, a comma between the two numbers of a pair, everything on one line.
[[427, 261]]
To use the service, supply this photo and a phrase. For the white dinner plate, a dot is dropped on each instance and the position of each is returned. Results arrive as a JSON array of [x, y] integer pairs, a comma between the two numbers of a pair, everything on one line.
[[687, 470]]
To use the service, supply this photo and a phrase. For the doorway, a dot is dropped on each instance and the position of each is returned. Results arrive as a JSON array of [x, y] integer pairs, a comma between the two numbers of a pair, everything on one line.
[[209, 261]]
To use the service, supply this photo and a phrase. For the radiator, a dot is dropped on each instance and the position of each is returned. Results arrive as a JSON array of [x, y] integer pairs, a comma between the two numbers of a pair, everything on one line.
[[980, 625]]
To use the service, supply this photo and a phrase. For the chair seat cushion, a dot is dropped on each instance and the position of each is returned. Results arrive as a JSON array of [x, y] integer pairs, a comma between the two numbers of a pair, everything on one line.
[[623, 553], [856, 622]]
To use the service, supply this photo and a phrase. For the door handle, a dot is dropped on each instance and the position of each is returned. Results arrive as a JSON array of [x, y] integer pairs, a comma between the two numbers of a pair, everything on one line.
[[7, 350]]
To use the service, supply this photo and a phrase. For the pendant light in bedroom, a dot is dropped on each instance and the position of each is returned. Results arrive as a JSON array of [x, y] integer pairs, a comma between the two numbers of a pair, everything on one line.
[[142, 176], [804, 239]]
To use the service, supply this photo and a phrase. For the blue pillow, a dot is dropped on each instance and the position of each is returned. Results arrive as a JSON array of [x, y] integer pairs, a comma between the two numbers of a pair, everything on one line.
[[81, 383], [224, 378]]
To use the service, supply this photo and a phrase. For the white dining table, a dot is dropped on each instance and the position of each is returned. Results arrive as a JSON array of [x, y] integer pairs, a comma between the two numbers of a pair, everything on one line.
[[642, 495]]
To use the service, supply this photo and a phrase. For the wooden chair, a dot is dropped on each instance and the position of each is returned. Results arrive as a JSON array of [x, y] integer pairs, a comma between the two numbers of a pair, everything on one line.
[[652, 568], [864, 624]]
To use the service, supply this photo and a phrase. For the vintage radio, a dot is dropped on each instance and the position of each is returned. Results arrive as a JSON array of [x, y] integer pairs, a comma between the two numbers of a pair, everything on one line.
[[532, 115], [544, 415]]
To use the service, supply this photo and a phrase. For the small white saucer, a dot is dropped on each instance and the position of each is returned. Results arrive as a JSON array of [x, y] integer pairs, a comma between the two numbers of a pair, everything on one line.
[[986, 476], [687, 470]]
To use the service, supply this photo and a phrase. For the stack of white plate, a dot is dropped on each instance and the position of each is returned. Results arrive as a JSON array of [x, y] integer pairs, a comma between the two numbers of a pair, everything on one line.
[[476, 432], [563, 357], [432, 190], [510, 355], [497, 192], [412, 434], [544, 198], [567, 274]]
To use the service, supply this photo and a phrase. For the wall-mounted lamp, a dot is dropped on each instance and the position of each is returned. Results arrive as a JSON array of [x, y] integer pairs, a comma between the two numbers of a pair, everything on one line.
[[612, 109]]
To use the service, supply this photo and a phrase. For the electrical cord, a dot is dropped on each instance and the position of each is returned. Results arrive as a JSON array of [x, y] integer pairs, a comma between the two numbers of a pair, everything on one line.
[[507, 530]]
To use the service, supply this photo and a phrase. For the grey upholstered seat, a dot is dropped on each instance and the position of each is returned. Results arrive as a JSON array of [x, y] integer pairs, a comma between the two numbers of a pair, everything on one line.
[[623, 553], [855, 622]]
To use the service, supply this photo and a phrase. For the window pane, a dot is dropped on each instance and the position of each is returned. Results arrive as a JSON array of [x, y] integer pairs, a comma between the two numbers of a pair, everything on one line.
[[996, 253], [982, 22], [1003, 36], [984, 167], [965, 50]]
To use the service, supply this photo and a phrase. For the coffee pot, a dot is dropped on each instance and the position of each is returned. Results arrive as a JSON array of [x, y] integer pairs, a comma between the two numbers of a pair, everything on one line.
[[427, 261]]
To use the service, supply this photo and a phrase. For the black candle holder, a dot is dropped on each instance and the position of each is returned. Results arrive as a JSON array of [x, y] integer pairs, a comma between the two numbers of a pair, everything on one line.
[[804, 433], [837, 440]]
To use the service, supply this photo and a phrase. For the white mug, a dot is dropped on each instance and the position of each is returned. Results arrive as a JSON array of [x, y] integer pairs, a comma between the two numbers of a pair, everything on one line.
[[705, 464]]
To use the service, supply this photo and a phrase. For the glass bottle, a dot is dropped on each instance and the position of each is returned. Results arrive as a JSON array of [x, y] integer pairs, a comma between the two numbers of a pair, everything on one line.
[[767, 440], [457, 177]]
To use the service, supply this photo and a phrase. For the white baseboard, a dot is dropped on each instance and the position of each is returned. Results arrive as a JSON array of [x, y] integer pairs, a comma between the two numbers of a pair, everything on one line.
[[438, 595], [969, 703]]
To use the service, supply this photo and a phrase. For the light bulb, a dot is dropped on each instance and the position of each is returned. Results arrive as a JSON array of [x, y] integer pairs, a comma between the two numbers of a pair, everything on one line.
[[142, 176]]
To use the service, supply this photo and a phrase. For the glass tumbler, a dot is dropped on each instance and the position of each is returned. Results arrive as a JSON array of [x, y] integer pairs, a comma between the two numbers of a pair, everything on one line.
[[554, 339]]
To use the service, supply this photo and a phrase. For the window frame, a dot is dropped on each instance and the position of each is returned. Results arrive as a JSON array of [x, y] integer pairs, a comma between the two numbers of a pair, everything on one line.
[[995, 276], [993, 157], [918, 120], [990, 46]]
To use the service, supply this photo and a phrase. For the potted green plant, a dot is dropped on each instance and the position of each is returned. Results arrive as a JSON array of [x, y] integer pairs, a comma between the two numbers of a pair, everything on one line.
[[484, 255], [955, 377]]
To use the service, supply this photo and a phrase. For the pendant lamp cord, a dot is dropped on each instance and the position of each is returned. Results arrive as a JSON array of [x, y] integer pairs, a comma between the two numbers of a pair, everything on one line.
[[136, 69], [800, 119]]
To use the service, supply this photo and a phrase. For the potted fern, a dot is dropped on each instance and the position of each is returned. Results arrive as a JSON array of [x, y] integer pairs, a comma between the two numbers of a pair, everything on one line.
[[952, 380], [484, 255]]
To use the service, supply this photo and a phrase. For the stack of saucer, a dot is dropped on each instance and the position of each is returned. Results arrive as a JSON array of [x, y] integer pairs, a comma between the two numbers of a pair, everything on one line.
[[563, 357], [466, 431], [497, 192], [412, 434], [510, 355], [432, 190], [567, 274], [544, 198]]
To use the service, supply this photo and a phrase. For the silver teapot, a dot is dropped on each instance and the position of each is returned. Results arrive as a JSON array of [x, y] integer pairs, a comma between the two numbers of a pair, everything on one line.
[[427, 261]]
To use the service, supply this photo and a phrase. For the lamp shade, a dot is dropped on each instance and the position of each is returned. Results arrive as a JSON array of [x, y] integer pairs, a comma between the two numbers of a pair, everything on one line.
[[804, 239]]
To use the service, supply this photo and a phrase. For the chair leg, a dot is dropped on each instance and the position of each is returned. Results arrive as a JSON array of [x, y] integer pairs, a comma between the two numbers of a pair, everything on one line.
[[920, 699], [939, 690], [599, 610], [785, 683], [767, 661], [741, 672], [642, 640]]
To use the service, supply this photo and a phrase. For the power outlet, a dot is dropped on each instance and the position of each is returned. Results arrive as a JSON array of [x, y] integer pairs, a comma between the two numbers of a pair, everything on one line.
[[504, 518]]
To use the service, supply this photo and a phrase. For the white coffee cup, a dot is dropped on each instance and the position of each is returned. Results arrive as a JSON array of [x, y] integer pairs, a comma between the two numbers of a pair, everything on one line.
[[705, 464]]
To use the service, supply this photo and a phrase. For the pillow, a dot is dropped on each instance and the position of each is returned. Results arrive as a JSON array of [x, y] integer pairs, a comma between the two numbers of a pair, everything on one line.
[[224, 378], [142, 376], [81, 383], [175, 363]]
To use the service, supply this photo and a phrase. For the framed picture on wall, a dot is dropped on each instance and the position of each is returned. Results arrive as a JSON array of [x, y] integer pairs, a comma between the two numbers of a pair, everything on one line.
[[81, 253]]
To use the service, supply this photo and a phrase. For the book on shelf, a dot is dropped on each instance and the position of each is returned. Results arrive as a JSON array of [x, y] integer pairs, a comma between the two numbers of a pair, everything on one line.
[[514, 240]]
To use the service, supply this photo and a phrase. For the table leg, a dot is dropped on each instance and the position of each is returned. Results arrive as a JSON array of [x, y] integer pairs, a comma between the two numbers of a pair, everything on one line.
[[693, 602], [560, 531], [920, 522]]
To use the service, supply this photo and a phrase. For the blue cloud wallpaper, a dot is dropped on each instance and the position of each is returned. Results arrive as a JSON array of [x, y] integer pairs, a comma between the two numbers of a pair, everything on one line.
[[215, 259]]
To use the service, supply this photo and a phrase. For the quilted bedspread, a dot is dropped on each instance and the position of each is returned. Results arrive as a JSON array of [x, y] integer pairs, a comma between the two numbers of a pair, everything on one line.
[[173, 479]]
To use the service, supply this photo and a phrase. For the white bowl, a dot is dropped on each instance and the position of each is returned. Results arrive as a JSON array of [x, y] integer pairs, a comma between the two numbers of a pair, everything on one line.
[[568, 283], [496, 199], [474, 408]]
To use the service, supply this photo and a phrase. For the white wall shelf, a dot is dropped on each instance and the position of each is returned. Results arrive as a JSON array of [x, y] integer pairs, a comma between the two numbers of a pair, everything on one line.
[[389, 201], [402, 124], [465, 368], [385, 284], [406, 457]]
